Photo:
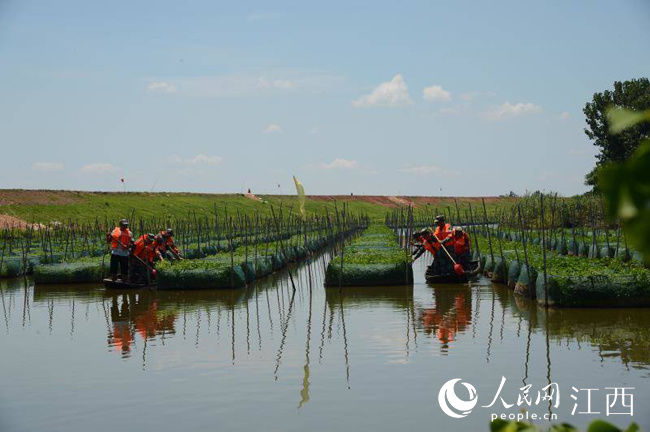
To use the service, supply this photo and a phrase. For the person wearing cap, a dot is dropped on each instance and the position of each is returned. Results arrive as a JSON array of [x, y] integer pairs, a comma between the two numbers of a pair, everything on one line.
[[442, 232], [168, 236], [145, 252], [120, 239], [461, 243], [145, 249], [160, 246]]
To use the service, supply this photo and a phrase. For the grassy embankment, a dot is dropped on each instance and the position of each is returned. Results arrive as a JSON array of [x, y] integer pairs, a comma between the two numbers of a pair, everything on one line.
[[48, 206]]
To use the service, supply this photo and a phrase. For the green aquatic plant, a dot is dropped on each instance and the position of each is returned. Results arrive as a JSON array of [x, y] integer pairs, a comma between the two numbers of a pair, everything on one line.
[[374, 258], [499, 425]]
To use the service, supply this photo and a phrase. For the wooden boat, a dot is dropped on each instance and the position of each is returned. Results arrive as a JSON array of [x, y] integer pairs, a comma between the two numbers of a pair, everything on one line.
[[474, 270], [120, 284]]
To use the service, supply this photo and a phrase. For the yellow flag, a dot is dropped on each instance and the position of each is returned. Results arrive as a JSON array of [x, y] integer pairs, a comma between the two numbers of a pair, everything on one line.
[[301, 195]]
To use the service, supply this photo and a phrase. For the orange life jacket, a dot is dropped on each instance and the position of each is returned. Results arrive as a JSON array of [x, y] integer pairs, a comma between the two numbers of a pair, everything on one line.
[[440, 234], [146, 252], [120, 236], [430, 246], [443, 233], [461, 244], [168, 244]]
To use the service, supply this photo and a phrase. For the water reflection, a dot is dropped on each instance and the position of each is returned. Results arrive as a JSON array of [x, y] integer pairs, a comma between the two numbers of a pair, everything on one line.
[[450, 315], [133, 314], [268, 308], [318, 342]]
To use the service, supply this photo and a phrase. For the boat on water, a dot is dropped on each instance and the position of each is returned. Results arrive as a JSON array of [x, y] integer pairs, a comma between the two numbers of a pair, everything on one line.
[[433, 276], [121, 284]]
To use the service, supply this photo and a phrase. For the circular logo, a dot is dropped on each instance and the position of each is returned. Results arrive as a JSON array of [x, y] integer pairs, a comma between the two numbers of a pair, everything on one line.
[[451, 404]]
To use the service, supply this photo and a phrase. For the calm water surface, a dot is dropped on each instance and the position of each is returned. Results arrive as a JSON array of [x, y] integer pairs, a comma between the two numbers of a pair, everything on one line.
[[81, 358]]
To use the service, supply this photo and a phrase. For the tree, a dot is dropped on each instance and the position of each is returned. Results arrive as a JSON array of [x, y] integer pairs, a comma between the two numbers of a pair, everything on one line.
[[626, 186], [633, 95]]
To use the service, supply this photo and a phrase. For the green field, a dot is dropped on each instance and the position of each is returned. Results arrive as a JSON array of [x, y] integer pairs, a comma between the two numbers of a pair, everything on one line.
[[46, 206]]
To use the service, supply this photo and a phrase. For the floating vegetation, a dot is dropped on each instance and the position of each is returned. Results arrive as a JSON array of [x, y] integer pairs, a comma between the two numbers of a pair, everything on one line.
[[374, 258]]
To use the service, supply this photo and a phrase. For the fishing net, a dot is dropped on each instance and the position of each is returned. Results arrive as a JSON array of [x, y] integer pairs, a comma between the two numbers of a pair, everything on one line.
[[583, 249], [526, 281], [500, 271], [636, 256], [561, 247], [488, 266], [573, 248], [514, 268], [263, 267]]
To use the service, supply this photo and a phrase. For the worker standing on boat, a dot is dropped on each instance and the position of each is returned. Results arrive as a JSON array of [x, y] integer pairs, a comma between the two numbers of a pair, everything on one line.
[[461, 243], [442, 232], [168, 237], [120, 239]]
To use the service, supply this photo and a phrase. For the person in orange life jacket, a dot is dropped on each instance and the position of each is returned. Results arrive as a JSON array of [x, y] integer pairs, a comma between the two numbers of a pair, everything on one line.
[[167, 235], [120, 239], [145, 250], [461, 242], [425, 242], [442, 233], [160, 247]]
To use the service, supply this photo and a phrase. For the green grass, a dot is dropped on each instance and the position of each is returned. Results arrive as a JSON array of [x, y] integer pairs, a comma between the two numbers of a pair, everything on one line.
[[88, 206]]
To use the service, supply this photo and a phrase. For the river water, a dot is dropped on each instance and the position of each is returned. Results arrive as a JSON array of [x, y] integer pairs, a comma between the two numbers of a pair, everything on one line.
[[81, 358]]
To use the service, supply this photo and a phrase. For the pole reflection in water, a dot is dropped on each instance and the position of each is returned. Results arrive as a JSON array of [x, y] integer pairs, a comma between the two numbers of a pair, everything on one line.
[[227, 353]]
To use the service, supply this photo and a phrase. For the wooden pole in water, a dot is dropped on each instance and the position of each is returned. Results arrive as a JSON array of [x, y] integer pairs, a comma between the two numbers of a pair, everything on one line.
[[471, 218], [602, 205], [488, 229], [523, 239], [541, 204], [293, 285]]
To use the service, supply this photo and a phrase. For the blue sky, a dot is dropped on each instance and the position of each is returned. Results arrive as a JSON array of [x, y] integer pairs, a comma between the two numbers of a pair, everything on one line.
[[420, 98]]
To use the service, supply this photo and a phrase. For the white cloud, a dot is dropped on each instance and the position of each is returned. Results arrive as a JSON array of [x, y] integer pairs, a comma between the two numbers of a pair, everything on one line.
[[98, 168], [47, 166], [340, 164], [161, 87], [393, 93], [507, 110], [436, 93], [429, 170], [272, 128]]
